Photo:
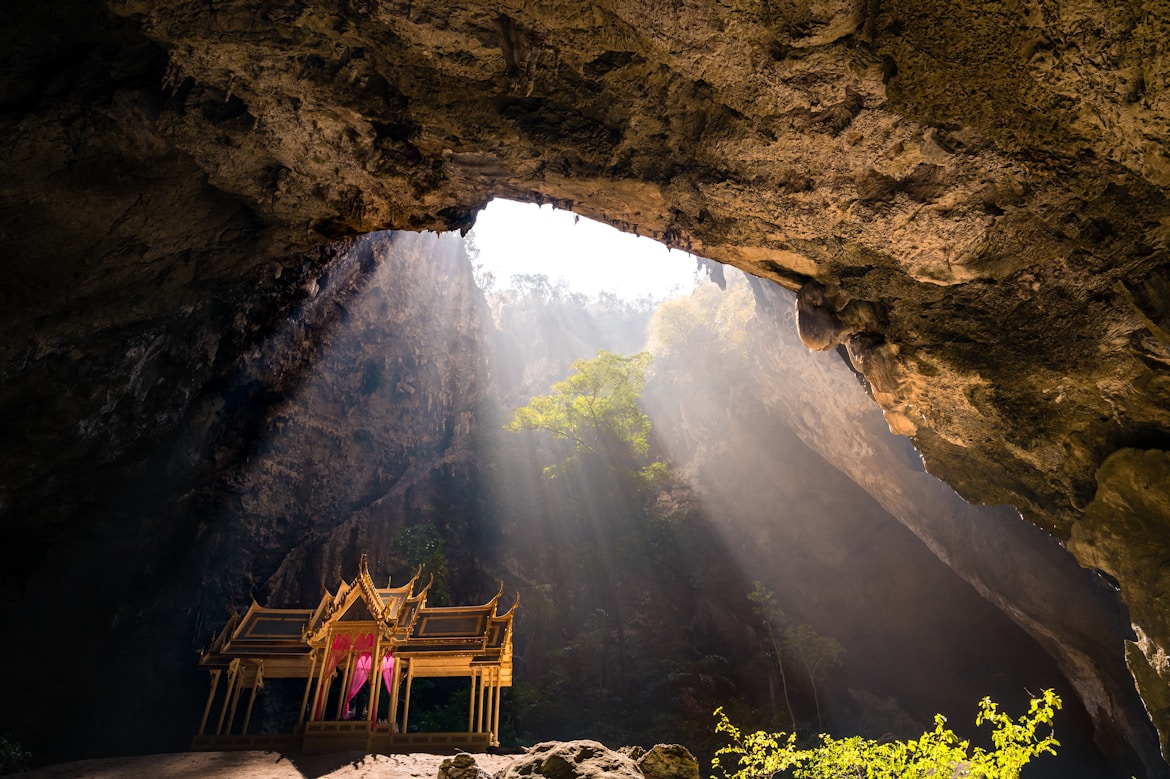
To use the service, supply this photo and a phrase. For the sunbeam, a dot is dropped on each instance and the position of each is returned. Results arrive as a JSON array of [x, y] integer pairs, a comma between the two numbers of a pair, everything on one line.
[[798, 486]]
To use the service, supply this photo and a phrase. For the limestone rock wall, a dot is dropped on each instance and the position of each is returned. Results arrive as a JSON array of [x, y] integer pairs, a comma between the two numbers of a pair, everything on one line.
[[229, 454], [1021, 570], [971, 198]]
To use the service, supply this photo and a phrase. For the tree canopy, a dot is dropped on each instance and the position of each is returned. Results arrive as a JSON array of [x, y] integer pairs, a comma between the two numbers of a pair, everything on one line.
[[709, 325], [595, 408]]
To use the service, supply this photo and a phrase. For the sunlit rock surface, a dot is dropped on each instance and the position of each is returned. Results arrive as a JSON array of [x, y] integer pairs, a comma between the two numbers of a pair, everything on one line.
[[1125, 533], [979, 190], [582, 759], [1016, 567]]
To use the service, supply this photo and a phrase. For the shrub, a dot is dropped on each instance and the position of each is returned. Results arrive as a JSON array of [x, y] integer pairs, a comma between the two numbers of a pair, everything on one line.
[[938, 753]]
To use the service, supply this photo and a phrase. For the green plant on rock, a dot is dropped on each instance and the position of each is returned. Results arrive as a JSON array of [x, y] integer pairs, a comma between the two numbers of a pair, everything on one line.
[[936, 754]]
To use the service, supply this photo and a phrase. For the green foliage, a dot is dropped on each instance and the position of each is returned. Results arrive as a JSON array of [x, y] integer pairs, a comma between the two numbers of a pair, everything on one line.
[[13, 757], [937, 753], [422, 545], [596, 409], [708, 325], [795, 644], [655, 474]]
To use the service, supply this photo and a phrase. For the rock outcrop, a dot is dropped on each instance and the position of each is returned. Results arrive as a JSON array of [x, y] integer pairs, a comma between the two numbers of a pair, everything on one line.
[[669, 761], [582, 759], [462, 766], [971, 198]]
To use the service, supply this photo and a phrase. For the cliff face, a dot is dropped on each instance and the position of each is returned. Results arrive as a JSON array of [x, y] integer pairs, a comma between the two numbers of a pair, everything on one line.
[[971, 199], [299, 422], [1022, 571]]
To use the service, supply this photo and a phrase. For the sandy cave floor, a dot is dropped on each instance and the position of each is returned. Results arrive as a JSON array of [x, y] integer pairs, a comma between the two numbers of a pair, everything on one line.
[[260, 765]]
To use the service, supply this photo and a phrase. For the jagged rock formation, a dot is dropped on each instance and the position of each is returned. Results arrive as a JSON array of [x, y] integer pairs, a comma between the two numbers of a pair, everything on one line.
[[970, 198]]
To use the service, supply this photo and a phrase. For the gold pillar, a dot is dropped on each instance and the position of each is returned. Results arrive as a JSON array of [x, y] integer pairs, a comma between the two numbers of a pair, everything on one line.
[[496, 727], [308, 686], [325, 695], [215, 674], [257, 683], [375, 681], [233, 676], [393, 714], [471, 703], [406, 707], [479, 705], [345, 677], [235, 699], [323, 684], [487, 704]]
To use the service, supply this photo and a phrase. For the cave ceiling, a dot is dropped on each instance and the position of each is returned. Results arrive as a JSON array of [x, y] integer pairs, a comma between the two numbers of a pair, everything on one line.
[[969, 198]]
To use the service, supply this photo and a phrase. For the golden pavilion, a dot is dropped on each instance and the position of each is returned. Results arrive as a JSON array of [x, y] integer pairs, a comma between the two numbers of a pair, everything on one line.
[[359, 652]]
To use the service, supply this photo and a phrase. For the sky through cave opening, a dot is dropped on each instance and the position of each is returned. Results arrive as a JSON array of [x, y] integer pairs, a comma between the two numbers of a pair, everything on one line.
[[636, 621], [591, 258]]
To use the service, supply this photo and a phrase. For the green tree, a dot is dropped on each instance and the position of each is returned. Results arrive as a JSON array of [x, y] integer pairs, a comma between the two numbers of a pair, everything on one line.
[[596, 409], [422, 545], [709, 325], [764, 604], [937, 753], [816, 653], [795, 644]]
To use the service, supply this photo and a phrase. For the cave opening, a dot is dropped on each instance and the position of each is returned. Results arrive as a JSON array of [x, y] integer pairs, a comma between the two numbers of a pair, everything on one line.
[[192, 413], [370, 417]]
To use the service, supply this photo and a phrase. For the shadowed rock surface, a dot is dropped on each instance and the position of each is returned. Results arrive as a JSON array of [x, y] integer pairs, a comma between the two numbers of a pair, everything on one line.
[[970, 199]]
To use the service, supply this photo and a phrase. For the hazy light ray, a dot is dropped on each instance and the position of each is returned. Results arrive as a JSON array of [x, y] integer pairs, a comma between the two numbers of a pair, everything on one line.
[[381, 303], [523, 238]]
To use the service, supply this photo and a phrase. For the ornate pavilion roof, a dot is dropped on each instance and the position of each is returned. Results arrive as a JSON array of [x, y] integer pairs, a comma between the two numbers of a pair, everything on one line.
[[285, 637]]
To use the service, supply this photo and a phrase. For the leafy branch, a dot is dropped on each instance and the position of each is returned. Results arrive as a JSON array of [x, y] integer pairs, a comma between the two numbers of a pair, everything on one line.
[[937, 753]]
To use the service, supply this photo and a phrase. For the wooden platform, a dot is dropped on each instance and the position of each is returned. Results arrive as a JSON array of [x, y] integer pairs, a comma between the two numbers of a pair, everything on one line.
[[322, 737]]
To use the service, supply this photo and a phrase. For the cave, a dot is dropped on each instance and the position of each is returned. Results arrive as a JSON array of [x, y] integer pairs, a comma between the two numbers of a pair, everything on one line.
[[968, 203]]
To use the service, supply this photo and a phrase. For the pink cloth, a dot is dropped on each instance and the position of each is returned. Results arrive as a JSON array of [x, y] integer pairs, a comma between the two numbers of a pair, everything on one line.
[[361, 673], [343, 645], [388, 673], [340, 647], [387, 681]]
